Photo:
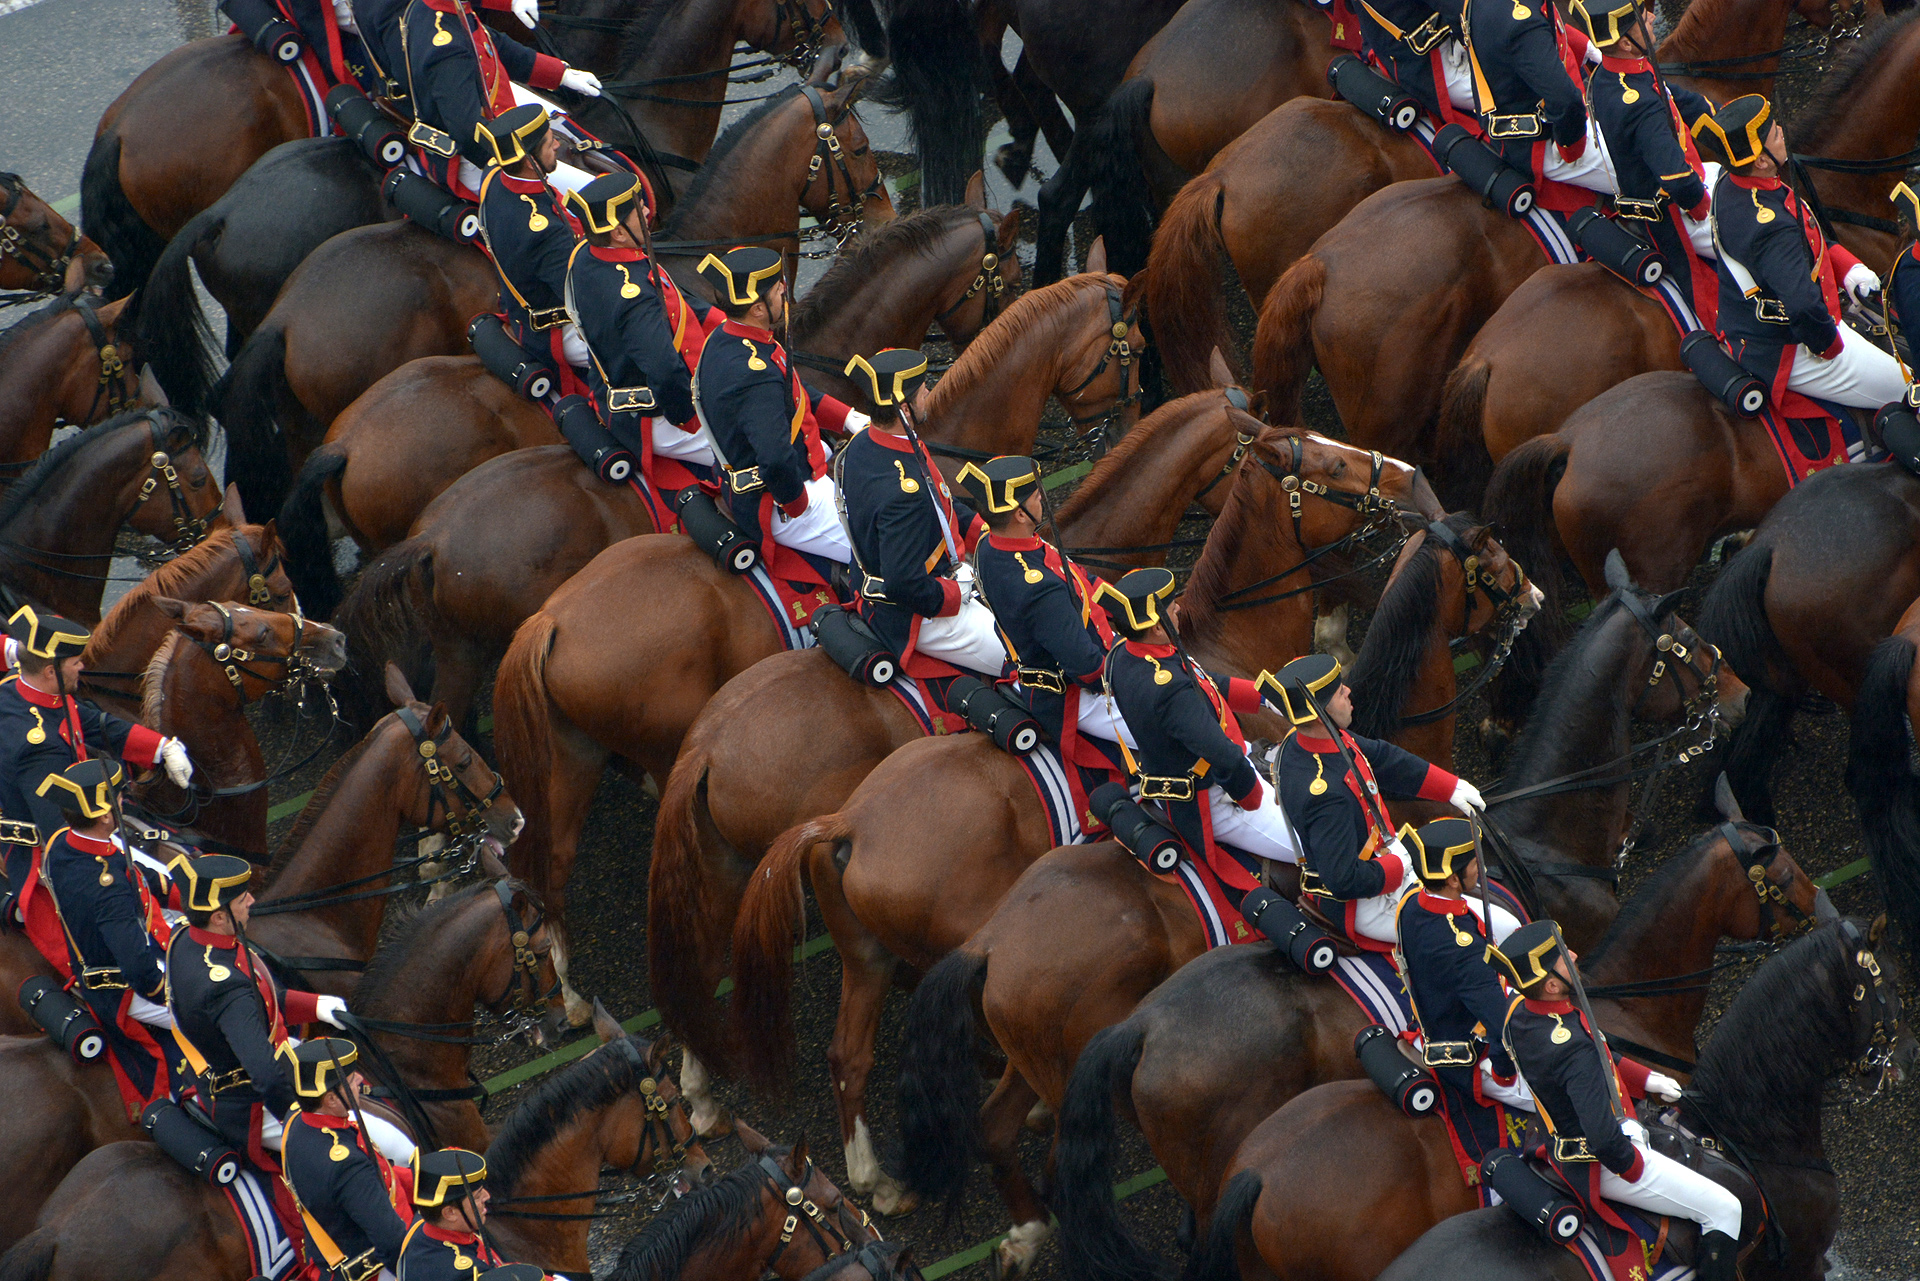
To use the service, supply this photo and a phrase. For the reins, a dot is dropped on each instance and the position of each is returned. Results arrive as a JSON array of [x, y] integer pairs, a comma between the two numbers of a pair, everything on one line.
[[1509, 610]]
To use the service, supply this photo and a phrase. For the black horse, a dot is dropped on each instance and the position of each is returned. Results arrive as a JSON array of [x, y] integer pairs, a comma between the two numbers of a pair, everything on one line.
[[1821, 1009]]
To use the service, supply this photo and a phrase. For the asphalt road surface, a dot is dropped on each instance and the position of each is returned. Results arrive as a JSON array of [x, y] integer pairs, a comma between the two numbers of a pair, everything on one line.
[[63, 61]]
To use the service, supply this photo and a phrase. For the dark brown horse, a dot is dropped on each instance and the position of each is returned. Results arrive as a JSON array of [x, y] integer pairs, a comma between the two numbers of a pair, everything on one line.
[[923, 849], [58, 522], [1338, 1182], [66, 363], [1884, 789], [40, 252], [426, 424]]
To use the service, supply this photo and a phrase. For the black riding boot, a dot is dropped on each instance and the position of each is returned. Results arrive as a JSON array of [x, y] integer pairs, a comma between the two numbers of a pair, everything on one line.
[[1718, 1254]]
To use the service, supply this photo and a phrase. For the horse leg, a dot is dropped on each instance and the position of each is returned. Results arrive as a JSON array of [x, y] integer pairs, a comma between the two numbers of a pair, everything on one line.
[[572, 778], [1330, 634], [708, 1118], [866, 972], [1011, 91], [1040, 100], [1001, 1118]]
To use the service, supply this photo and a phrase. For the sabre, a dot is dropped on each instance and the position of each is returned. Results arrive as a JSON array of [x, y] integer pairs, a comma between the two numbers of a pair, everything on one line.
[[1599, 1037], [935, 478]]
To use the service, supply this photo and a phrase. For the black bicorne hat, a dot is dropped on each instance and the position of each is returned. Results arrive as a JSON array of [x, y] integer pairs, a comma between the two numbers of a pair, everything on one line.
[[1905, 203], [513, 135], [1604, 21], [1000, 484], [604, 203], [319, 1064], [208, 882], [1528, 954], [85, 788], [1738, 128], [1441, 849], [1315, 674], [1134, 601], [448, 1174], [742, 275], [46, 635], [889, 378]]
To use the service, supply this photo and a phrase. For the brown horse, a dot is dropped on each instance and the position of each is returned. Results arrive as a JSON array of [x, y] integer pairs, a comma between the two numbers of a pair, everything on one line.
[[1884, 790], [923, 849], [58, 522], [189, 694], [1339, 1181], [40, 252], [426, 424], [327, 338], [64, 364], [1290, 178], [1232, 1036]]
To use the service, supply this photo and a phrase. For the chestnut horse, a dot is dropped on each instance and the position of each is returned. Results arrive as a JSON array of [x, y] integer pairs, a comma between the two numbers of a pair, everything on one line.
[[40, 252], [327, 338], [66, 363], [1233, 1035], [923, 849], [1265, 199], [59, 521], [1885, 791], [1339, 1181], [429, 422]]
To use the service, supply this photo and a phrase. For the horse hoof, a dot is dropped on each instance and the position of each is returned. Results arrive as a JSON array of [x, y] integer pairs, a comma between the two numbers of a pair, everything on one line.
[[1013, 162], [892, 1200], [1040, 1119], [1016, 1254], [579, 1009], [711, 1121]]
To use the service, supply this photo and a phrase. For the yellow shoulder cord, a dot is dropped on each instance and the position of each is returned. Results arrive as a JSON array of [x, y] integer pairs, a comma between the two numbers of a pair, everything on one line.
[[487, 240]]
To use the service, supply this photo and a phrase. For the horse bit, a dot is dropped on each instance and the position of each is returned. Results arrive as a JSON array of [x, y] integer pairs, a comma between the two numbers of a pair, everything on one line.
[[50, 272], [809, 33], [467, 825], [299, 671], [832, 1240], [843, 219], [523, 985]]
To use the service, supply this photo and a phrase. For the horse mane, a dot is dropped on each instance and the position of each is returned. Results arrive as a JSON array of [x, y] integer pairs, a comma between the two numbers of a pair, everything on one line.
[[1787, 1031], [1091, 492], [34, 319], [153, 680], [1554, 711], [1822, 113], [869, 255], [316, 806], [21, 497], [726, 1208], [1031, 311], [586, 1086], [1653, 895], [1396, 642], [1208, 584], [167, 580], [405, 930], [710, 168]]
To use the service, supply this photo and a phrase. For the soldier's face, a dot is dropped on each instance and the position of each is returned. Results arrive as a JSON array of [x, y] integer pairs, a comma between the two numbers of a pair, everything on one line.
[[1340, 706], [70, 669], [547, 155], [1776, 144]]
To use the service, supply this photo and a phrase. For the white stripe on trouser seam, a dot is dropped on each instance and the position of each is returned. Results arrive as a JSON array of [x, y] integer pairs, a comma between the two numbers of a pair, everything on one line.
[[1362, 975], [1215, 927]]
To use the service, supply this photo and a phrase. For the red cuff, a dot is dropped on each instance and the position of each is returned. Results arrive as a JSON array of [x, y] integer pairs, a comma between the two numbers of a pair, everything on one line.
[[1255, 794], [143, 747], [1638, 1168], [1438, 785], [1573, 153], [793, 509], [1834, 351], [971, 538], [830, 414], [1700, 211], [547, 71], [1395, 870], [949, 599], [1841, 259], [498, 6], [300, 1007], [1634, 1077], [1243, 696]]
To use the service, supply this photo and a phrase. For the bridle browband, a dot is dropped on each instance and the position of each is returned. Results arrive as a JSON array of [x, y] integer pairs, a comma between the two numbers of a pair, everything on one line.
[[1509, 608], [50, 269], [988, 278], [830, 1237]]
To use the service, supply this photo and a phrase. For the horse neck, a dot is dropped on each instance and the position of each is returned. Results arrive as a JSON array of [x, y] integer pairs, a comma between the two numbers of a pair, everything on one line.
[[695, 35], [569, 1161], [1244, 641], [1000, 413], [1141, 499], [138, 636], [72, 523], [1714, 29], [755, 194], [198, 705], [50, 373], [1433, 683], [1879, 116], [895, 305]]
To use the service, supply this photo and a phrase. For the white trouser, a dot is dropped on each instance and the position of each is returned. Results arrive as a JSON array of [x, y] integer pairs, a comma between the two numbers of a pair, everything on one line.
[[388, 1137], [573, 346], [1592, 168], [566, 177], [145, 1011], [1504, 922], [1515, 1093], [1374, 917], [1453, 61], [969, 639], [1100, 718], [687, 446], [1701, 232], [1862, 375], [1262, 832], [817, 530], [272, 1133], [1667, 1187]]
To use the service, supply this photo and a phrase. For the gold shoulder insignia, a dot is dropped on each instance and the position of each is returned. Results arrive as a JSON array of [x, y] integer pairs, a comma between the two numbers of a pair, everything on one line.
[[38, 734], [908, 485], [536, 221], [1032, 575], [753, 357], [1521, 13], [441, 36], [1630, 94], [628, 290]]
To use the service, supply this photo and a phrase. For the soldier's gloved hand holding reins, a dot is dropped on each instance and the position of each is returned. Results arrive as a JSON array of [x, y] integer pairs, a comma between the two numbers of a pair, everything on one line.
[[528, 11], [1663, 1087], [1466, 797], [580, 82], [329, 1009], [1861, 281], [173, 757]]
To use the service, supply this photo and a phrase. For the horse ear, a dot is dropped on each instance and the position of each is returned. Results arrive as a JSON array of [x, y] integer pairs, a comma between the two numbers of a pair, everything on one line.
[[236, 513], [605, 1026], [399, 693], [851, 87], [1219, 371], [174, 609], [1616, 571], [1097, 256], [151, 391], [1724, 800], [799, 1157], [1007, 234], [490, 865], [976, 197], [438, 721], [1876, 929], [750, 1138], [657, 1053]]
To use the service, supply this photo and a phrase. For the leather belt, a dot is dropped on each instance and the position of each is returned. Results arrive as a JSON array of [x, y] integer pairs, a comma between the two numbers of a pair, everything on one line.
[[547, 317], [14, 832], [1043, 678], [1771, 310], [361, 1267], [1428, 34], [1642, 210], [221, 1082], [744, 480], [631, 400], [1571, 1149], [1449, 1053], [102, 978], [422, 134], [1518, 124], [1160, 787]]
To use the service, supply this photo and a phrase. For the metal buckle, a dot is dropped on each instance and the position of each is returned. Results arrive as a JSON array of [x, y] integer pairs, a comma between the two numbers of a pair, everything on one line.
[[547, 317], [1520, 124], [1162, 788], [1572, 1150], [422, 134], [873, 588], [102, 978], [1771, 310], [221, 1082], [631, 400], [1449, 1054], [361, 1267], [745, 480], [1042, 678], [1640, 210]]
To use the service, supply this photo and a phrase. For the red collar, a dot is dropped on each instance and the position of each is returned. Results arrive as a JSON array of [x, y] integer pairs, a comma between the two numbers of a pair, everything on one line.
[[37, 698], [889, 439], [613, 253], [89, 844], [1008, 543], [207, 938], [1313, 744], [1149, 651], [1549, 1007], [454, 1238], [1450, 906], [1753, 183], [523, 186], [321, 1121], [740, 329], [445, 6], [1624, 65]]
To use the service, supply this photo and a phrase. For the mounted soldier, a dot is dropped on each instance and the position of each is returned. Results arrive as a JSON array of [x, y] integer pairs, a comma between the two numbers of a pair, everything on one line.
[[350, 1174], [1526, 90], [1903, 281], [109, 911], [1780, 279], [1417, 46], [450, 1207], [44, 729], [1191, 754], [643, 339], [764, 427], [321, 34], [530, 233], [1352, 866], [1597, 1146]]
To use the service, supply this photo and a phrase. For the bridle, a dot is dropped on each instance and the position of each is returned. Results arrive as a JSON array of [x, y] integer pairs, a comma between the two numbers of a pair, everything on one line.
[[830, 1236], [809, 33], [1684, 648], [188, 529], [523, 985], [1510, 613], [260, 593], [843, 218], [1759, 857], [1121, 326], [1714, 68], [1876, 1009], [297, 669], [50, 270], [988, 279], [112, 387], [465, 811]]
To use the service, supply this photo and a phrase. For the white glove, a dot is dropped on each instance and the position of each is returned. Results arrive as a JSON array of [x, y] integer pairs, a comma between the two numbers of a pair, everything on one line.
[[173, 755], [330, 1008], [13, 652], [580, 82], [1634, 1130], [1662, 1087], [343, 16], [1593, 54], [1860, 281], [856, 422], [528, 11], [1466, 797]]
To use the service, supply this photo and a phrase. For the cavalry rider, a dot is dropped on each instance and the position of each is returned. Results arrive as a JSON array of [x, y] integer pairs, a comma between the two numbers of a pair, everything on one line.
[[115, 936], [643, 338], [354, 1202], [1191, 752], [458, 73], [1417, 45], [764, 428], [44, 729], [910, 536], [1522, 58], [1780, 280], [1352, 865], [230, 1015], [1043, 604], [1903, 281], [450, 1205], [1600, 1152], [529, 233], [1444, 956], [289, 30]]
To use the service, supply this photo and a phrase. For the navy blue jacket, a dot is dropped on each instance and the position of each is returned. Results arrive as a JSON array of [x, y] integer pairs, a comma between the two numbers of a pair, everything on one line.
[[748, 401], [1456, 994], [347, 1197], [1903, 295], [1043, 604], [1517, 50], [106, 924], [1760, 224], [530, 238], [430, 1255], [1566, 1081], [624, 318], [447, 73], [1332, 825], [1642, 138]]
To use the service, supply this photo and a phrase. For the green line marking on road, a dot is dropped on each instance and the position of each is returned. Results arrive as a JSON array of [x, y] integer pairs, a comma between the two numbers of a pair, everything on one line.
[[975, 1253], [67, 206], [1841, 875], [1061, 477]]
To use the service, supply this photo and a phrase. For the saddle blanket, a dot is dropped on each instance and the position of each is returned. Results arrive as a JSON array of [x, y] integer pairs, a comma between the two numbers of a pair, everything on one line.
[[913, 694], [1632, 1264], [791, 605], [1048, 774], [1375, 985], [1809, 437], [274, 1256], [1219, 914]]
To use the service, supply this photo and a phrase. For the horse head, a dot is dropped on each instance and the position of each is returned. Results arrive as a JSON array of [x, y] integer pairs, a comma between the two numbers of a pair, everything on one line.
[[179, 501], [454, 791], [516, 956], [844, 190], [656, 1141], [1681, 673], [260, 650]]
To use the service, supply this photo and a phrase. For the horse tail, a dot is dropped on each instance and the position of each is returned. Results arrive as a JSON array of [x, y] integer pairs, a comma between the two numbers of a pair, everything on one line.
[[247, 402], [940, 1077], [869, 32], [1094, 1240], [303, 525], [111, 221], [522, 737], [31, 1258], [1519, 505], [939, 73], [684, 925], [1218, 1258], [1283, 341], [1122, 208], [1880, 775], [174, 336], [1463, 465], [381, 617], [773, 915], [1734, 617], [1183, 293]]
